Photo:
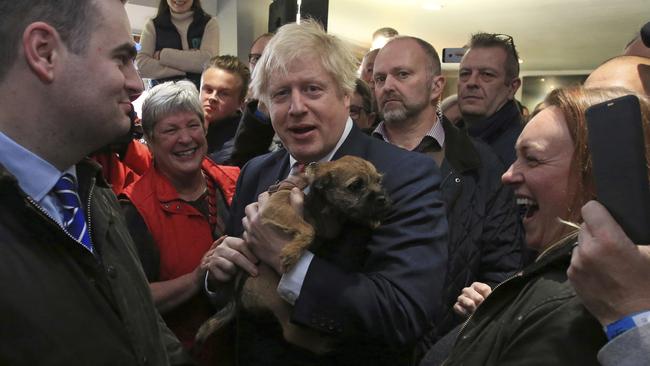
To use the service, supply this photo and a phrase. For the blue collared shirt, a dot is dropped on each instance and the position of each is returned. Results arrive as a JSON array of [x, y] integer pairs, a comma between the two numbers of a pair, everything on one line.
[[36, 177]]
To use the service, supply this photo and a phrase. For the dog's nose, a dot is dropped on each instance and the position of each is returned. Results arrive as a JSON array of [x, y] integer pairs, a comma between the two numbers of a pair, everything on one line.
[[381, 200]]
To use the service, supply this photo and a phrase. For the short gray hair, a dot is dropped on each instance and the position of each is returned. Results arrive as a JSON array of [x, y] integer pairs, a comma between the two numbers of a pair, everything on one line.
[[166, 99], [295, 41]]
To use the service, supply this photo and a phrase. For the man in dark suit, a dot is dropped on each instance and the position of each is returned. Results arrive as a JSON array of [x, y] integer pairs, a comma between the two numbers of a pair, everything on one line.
[[376, 302]]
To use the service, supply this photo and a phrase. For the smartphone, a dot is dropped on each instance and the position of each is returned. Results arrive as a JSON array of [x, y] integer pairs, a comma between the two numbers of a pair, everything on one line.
[[453, 55], [615, 139]]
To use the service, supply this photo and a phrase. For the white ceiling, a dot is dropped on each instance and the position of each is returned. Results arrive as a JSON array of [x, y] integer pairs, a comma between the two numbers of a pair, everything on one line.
[[550, 35]]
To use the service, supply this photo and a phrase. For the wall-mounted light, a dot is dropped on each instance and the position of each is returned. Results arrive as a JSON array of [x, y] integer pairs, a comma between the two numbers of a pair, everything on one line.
[[299, 3]]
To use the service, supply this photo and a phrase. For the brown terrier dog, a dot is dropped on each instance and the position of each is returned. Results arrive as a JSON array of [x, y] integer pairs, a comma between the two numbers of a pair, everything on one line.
[[347, 190]]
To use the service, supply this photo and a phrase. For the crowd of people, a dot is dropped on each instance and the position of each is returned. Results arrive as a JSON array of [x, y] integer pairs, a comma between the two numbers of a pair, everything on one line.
[[122, 235]]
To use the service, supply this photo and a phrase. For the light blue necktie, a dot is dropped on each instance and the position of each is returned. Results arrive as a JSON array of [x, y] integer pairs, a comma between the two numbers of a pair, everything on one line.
[[73, 217]]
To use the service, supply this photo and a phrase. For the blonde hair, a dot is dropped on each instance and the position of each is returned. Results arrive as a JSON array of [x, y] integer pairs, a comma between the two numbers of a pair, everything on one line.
[[298, 41]]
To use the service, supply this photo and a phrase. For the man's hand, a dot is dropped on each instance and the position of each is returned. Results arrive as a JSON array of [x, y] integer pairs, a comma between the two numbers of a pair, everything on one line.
[[610, 274], [266, 241], [226, 256], [471, 298]]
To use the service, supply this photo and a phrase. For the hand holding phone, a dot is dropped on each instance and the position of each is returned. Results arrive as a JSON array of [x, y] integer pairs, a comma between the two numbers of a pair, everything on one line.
[[617, 146]]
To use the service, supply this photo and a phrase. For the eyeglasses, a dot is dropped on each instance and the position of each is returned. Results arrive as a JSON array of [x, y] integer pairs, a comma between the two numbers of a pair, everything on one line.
[[505, 38], [510, 42], [356, 110], [254, 57]]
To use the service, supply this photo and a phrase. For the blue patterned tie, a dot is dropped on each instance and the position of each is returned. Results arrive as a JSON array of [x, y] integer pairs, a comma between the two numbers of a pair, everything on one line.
[[73, 217]]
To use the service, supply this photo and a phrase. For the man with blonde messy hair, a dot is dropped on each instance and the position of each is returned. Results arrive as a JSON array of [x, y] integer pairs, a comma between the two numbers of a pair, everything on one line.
[[369, 291], [332, 53]]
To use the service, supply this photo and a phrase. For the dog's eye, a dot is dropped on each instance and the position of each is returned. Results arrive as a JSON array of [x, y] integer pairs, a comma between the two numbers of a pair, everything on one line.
[[356, 185]]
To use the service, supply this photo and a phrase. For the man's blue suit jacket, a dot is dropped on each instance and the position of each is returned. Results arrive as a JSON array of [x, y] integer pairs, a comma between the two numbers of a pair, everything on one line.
[[377, 301]]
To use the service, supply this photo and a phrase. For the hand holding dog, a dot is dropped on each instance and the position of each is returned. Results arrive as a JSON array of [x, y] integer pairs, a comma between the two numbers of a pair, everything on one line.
[[609, 272], [226, 256], [266, 241]]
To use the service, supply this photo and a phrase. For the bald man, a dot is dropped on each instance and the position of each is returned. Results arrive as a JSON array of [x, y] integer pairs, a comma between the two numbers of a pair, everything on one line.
[[631, 72], [636, 47], [367, 65], [601, 237]]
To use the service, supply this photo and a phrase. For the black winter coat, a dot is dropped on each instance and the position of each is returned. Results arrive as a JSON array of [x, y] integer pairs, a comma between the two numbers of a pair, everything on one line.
[[486, 237]]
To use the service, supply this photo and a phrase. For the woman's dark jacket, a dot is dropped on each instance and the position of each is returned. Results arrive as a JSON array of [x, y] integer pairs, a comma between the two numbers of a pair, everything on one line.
[[535, 318]]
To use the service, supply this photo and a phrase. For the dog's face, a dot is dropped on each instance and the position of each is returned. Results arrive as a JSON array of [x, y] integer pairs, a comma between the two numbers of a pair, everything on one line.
[[353, 186]]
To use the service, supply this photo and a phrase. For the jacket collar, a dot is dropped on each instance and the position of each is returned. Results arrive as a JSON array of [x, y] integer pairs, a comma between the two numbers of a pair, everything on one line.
[[460, 152], [459, 149], [558, 254], [352, 144], [278, 161], [86, 169], [494, 125], [165, 192]]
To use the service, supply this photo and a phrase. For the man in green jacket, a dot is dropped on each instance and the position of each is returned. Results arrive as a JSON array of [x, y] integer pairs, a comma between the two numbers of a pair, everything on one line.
[[73, 292]]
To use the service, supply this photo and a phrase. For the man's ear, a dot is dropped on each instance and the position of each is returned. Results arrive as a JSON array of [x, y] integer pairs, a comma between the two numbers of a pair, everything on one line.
[[372, 117], [42, 46], [437, 87], [514, 86]]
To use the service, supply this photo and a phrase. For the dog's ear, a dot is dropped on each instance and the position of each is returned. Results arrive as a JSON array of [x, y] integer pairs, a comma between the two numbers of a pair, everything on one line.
[[311, 172], [323, 182]]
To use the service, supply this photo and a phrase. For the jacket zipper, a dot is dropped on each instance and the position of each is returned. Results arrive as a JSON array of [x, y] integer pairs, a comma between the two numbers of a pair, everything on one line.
[[41, 210], [46, 214], [88, 220], [460, 332], [518, 274]]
